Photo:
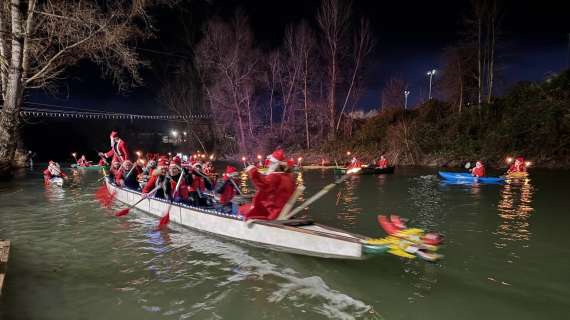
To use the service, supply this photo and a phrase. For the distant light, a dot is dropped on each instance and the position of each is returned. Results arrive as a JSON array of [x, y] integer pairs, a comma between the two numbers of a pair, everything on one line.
[[527, 164], [138, 153], [406, 92], [300, 159], [509, 160], [348, 153], [174, 133], [243, 159], [184, 132], [169, 154], [259, 156], [212, 157], [203, 156], [74, 154]]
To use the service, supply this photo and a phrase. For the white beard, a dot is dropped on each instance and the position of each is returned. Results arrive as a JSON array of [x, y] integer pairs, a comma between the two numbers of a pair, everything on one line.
[[272, 167]]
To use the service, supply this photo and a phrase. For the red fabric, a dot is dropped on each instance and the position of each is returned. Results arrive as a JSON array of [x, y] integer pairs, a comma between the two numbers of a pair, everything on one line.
[[150, 184], [228, 193], [279, 155], [101, 162], [83, 162], [121, 174], [382, 163], [48, 174], [273, 192], [197, 184], [520, 167], [478, 171], [355, 164], [124, 154], [182, 189]]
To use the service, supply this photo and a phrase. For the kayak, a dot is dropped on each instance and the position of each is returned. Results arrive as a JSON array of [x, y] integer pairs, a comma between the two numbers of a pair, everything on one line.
[[467, 177], [75, 166], [367, 170], [56, 181]]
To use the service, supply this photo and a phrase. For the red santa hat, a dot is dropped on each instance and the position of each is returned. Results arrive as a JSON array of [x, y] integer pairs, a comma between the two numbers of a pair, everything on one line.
[[231, 171], [176, 162], [162, 162], [277, 156]]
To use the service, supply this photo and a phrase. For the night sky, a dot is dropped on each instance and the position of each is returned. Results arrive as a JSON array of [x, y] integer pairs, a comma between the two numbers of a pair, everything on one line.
[[409, 35]]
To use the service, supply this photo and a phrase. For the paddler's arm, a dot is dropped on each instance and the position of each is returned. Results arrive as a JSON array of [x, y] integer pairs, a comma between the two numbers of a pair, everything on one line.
[[259, 180]]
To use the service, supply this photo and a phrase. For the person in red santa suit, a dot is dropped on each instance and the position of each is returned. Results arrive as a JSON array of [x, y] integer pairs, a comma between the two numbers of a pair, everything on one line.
[[82, 162], [227, 189], [53, 171], [382, 163], [158, 179], [174, 172], [127, 175], [198, 183], [273, 189], [354, 163], [518, 166], [118, 150], [479, 170]]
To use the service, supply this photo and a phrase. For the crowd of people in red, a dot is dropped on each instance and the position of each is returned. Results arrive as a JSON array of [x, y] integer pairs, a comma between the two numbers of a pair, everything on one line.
[[189, 180]]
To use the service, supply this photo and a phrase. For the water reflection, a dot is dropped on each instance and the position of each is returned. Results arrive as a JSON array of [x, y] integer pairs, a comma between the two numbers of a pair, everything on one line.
[[427, 202], [515, 208], [348, 206], [54, 194]]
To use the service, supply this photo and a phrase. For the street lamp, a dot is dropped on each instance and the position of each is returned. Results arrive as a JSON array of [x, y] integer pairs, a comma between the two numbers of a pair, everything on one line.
[[174, 133], [406, 94], [430, 75]]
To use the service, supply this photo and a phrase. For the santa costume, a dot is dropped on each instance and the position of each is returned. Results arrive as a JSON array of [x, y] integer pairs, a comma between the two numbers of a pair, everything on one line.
[[273, 189], [118, 148], [228, 188], [479, 170], [158, 179]]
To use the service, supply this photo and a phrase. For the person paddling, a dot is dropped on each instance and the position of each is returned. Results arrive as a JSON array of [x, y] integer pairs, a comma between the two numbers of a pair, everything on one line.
[[273, 189], [158, 179], [127, 175], [53, 171], [382, 163], [82, 162], [227, 189], [354, 163], [174, 172], [479, 170], [518, 166], [198, 185], [118, 150]]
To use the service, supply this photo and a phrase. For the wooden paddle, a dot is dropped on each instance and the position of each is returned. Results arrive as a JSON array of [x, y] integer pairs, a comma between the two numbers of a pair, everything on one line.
[[166, 218], [124, 212], [319, 194]]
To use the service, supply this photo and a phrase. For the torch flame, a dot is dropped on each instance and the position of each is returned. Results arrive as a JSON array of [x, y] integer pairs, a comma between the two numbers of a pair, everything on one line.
[[353, 170], [509, 160], [527, 164]]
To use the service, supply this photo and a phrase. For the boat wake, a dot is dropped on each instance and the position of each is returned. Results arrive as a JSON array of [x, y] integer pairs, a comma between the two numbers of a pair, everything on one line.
[[283, 287]]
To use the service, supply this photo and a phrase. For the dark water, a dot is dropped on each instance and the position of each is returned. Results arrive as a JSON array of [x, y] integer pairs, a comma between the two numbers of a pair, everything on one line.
[[507, 256]]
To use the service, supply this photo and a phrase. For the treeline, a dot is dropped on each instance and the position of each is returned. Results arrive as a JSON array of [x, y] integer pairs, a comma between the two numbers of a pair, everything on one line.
[[301, 95], [296, 95], [532, 120]]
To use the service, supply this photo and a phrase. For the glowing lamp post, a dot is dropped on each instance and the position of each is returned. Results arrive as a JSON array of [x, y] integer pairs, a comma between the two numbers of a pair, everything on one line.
[[299, 160], [243, 160], [430, 74], [138, 154], [406, 94]]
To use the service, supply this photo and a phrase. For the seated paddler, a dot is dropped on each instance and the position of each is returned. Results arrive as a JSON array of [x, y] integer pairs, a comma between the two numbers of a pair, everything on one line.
[[158, 180], [127, 175]]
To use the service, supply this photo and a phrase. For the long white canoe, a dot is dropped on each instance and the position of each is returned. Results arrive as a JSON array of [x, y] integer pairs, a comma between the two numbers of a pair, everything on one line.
[[310, 239]]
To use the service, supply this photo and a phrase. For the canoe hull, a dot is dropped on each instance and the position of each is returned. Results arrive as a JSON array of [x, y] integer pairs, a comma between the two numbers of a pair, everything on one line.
[[368, 170], [313, 240], [74, 166], [468, 178]]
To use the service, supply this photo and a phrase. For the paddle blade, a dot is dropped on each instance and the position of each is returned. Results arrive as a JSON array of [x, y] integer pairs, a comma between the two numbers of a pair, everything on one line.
[[109, 200], [123, 212], [164, 220]]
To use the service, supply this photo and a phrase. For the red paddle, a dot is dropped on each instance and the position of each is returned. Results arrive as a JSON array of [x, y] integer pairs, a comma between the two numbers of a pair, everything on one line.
[[166, 217], [124, 212]]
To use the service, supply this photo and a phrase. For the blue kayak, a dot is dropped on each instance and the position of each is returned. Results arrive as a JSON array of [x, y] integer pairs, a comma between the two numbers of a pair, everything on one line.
[[467, 177]]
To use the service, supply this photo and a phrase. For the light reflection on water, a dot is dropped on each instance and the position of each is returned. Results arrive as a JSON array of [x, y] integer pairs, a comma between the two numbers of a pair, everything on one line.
[[514, 209], [347, 201]]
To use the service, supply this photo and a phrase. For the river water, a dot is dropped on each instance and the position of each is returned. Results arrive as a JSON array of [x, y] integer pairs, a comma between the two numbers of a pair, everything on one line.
[[507, 256]]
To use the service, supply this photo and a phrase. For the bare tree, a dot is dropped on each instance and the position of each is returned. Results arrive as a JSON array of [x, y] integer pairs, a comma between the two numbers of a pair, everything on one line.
[[333, 19], [393, 93], [40, 39], [272, 74], [362, 47], [228, 64]]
